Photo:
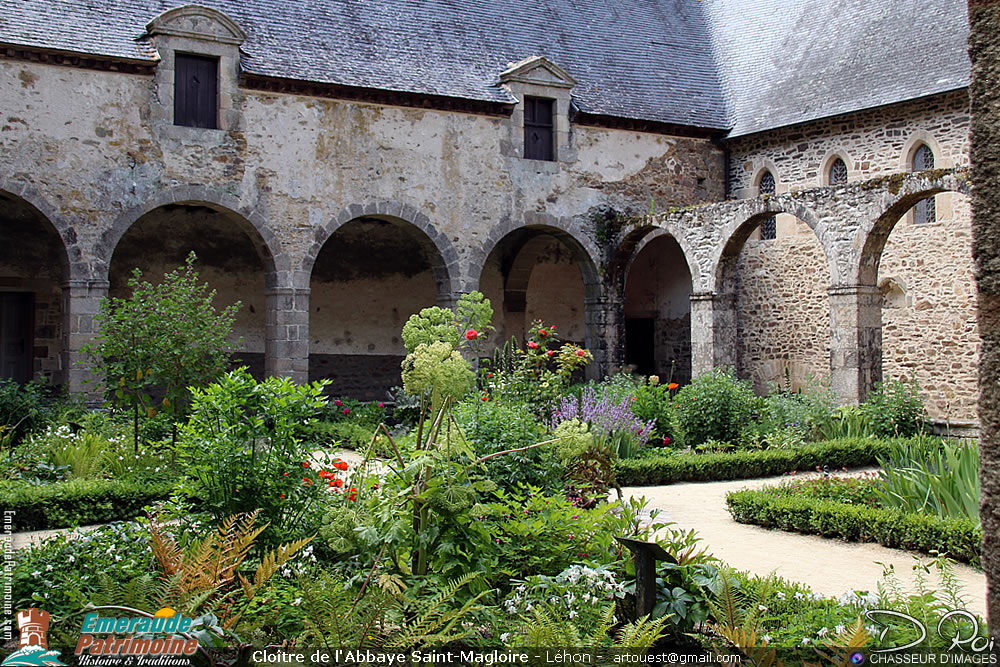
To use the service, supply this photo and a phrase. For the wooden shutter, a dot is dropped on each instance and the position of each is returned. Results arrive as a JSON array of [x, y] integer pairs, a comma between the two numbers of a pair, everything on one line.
[[196, 91], [538, 129]]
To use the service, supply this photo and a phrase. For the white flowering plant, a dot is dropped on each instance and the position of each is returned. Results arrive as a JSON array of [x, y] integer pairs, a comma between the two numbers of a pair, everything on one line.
[[579, 594]]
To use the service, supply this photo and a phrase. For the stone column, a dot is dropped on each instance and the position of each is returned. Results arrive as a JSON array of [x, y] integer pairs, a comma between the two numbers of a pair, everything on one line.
[[81, 301], [855, 341], [713, 331], [601, 336], [286, 344]]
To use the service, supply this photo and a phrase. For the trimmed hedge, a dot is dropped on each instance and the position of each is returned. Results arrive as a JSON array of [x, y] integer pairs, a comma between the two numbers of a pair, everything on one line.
[[891, 527], [845, 452], [78, 502]]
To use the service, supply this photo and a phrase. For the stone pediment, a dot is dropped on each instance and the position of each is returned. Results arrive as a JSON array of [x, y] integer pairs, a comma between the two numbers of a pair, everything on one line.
[[197, 22], [539, 71]]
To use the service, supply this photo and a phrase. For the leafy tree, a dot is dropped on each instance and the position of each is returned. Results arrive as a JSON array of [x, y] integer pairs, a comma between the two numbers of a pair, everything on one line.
[[163, 339]]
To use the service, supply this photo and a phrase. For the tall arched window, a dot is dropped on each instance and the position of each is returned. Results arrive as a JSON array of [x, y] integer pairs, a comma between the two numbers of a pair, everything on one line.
[[924, 212], [838, 172], [768, 228]]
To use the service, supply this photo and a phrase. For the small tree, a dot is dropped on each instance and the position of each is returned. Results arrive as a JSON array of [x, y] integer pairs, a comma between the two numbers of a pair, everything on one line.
[[163, 339]]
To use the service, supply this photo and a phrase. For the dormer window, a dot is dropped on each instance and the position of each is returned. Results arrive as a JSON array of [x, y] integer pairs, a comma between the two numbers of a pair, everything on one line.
[[539, 129], [196, 91]]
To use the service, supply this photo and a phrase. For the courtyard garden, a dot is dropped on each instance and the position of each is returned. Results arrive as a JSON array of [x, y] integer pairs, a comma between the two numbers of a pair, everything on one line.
[[478, 505]]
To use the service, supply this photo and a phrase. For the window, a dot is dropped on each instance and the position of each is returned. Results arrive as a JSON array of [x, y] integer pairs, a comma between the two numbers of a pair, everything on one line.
[[768, 228], [538, 129], [924, 212], [838, 172], [196, 91]]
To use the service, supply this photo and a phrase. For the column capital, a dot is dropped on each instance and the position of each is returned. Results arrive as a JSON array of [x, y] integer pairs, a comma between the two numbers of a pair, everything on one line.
[[87, 284], [287, 291]]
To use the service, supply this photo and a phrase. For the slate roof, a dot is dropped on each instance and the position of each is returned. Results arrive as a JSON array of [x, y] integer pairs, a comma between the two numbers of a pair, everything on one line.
[[744, 65], [641, 59], [791, 61]]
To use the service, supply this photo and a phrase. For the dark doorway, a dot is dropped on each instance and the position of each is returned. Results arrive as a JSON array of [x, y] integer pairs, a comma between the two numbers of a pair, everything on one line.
[[639, 342], [15, 335]]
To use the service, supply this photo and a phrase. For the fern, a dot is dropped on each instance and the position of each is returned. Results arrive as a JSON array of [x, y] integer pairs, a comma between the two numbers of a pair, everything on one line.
[[642, 633], [843, 645], [746, 642], [438, 622]]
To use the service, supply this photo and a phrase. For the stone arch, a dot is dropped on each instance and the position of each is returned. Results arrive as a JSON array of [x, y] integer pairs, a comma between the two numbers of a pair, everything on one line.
[[905, 190], [766, 311], [276, 263], [765, 166], [71, 258], [827, 163], [637, 238], [893, 291], [444, 257], [586, 251], [735, 234]]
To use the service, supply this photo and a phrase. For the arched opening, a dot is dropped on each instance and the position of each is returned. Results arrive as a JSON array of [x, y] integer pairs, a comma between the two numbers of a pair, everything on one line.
[[782, 309], [931, 334], [658, 310], [229, 260], [368, 278], [539, 273], [33, 267]]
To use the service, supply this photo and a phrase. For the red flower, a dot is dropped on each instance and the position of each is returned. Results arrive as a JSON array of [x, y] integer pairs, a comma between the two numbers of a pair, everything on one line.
[[485, 398], [581, 353], [489, 375], [340, 465], [305, 464], [666, 440], [347, 411], [337, 403], [551, 353], [532, 345], [381, 405], [306, 480], [471, 334], [543, 333], [354, 494], [337, 483], [672, 386], [282, 496]]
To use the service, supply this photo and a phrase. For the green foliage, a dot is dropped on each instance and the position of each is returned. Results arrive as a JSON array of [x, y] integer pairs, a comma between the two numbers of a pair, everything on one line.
[[805, 412], [959, 538], [654, 400], [68, 571], [666, 469], [242, 450], [932, 476], [578, 593], [494, 426], [715, 406], [23, 409], [440, 325], [438, 369], [895, 409], [78, 502], [163, 339]]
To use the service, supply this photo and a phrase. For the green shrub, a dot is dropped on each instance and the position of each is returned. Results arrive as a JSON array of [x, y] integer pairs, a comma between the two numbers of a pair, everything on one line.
[[495, 426], [959, 538], [23, 409], [895, 409], [242, 450], [78, 502], [715, 406], [805, 412], [748, 464]]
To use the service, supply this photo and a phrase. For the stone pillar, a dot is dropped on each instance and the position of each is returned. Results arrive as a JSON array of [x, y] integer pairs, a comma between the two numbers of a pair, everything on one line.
[[286, 344], [855, 341], [713, 331], [601, 336], [81, 301]]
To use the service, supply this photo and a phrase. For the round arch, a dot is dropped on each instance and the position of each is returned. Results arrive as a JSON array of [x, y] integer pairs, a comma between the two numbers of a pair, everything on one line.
[[276, 264], [437, 247], [71, 255]]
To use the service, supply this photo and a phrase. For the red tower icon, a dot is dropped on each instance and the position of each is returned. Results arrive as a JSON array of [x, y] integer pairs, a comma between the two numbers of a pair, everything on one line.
[[33, 625]]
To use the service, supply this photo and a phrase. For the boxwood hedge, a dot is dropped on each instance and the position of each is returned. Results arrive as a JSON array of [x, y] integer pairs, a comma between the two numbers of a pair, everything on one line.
[[959, 538], [78, 502], [846, 452]]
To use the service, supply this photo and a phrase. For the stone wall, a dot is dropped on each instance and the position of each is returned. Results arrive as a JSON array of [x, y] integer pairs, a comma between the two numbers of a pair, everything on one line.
[[783, 313], [934, 264], [289, 170]]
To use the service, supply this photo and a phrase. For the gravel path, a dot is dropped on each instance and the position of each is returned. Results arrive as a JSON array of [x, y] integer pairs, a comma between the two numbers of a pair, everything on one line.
[[830, 567]]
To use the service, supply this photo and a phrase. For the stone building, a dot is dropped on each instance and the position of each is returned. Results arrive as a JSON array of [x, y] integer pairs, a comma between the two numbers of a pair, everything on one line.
[[676, 184]]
